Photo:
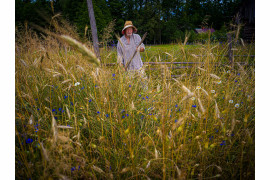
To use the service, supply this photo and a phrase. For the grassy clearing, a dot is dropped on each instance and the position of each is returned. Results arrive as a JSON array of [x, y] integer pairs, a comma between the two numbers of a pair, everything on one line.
[[75, 122]]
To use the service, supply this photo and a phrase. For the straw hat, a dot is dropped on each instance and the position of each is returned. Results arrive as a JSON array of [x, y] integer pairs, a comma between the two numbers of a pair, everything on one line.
[[127, 25]]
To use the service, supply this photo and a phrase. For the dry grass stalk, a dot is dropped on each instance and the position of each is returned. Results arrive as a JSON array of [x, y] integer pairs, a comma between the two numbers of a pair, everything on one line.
[[81, 48], [44, 152], [98, 169], [217, 112], [201, 106], [61, 65], [215, 76]]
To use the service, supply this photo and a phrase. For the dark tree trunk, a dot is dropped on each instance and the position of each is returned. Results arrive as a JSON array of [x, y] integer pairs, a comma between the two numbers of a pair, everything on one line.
[[93, 27]]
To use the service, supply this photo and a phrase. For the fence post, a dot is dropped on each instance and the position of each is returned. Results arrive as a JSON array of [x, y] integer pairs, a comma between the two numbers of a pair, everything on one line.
[[230, 52]]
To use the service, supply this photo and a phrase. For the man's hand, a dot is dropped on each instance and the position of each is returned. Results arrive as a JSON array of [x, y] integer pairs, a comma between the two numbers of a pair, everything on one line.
[[140, 49]]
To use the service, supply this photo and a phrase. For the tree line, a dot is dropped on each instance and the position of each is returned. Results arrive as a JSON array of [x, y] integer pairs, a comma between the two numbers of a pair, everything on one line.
[[166, 21]]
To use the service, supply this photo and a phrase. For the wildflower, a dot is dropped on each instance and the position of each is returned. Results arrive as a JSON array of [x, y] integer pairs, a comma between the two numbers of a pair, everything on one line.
[[235, 81], [143, 98], [53, 110], [113, 75], [90, 100], [123, 116], [60, 109], [55, 117], [176, 105], [122, 110], [73, 168], [82, 88], [238, 74], [127, 115], [140, 95], [77, 84], [198, 87], [230, 101], [107, 115], [147, 97], [98, 112], [29, 140], [228, 71], [113, 78], [38, 109], [223, 143], [232, 134], [193, 98], [96, 86], [211, 137], [36, 99], [129, 86], [175, 121], [194, 106], [236, 105], [219, 82], [213, 91], [65, 97]]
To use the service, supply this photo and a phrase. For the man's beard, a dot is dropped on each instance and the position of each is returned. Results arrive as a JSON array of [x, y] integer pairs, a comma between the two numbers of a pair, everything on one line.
[[129, 34]]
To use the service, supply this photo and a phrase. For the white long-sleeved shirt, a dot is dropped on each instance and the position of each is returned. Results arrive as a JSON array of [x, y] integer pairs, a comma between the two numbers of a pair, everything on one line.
[[126, 52]]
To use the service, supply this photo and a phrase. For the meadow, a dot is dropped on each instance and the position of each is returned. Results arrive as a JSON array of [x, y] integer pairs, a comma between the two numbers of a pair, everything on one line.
[[78, 119]]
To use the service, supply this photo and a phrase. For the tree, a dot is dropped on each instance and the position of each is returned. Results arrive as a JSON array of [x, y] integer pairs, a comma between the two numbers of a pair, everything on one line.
[[93, 27]]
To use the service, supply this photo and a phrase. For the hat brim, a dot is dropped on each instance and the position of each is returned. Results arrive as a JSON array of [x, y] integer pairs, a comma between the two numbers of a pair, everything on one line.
[[134, 29]]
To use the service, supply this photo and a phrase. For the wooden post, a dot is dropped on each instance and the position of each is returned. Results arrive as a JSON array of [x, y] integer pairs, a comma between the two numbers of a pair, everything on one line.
[[230, 52], [93, 27]]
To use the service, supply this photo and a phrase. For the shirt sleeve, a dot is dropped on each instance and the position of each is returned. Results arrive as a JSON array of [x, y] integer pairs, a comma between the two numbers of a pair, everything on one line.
[[120, 58], [138, 40]]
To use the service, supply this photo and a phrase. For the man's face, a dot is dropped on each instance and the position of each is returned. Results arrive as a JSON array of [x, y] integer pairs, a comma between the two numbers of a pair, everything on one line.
[[129, 31]]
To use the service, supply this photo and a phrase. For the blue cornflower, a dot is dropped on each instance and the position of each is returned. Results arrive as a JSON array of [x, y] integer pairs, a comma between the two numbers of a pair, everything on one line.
[[176, 120], [82, 88], [65, 97], [79, 167], [95, 85], [232, 134], [107, 115], [150, 114], [123, 116], [127, 115], [194, 106], [36, 99], [98, 112], [122, 110], [147, 97], [73, 168], [113, 78], [113, 75], [238, 74], [223, 143], [216, 130], [71, 103], [143, 98], [179, 110], [55, 117], [38, 109], [129, 86], [235, 81], [140, 95], [68, 125], [60, 109], [176, 105], [53, 110], [90, 100], [29, 140], [63, 111], [211, 137]]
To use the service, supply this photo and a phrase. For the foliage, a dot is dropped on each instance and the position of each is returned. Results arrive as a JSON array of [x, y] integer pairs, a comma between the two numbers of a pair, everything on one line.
[[165, 21]]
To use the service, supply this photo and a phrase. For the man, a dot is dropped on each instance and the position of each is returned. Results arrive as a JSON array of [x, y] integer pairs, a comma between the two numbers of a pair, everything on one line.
[[127, 47]]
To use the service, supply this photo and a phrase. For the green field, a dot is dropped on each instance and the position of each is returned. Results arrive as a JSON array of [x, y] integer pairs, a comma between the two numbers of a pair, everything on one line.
[[74, 122]]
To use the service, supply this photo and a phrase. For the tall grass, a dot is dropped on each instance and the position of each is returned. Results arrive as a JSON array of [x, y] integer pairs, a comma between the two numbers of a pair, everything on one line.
[[73, 122]]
